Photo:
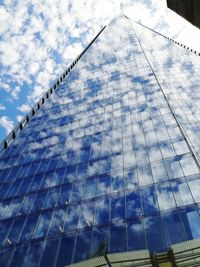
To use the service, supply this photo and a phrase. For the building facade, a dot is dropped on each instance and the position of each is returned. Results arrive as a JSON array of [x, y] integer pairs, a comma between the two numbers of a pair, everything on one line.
[[188, 9], [110, 162]]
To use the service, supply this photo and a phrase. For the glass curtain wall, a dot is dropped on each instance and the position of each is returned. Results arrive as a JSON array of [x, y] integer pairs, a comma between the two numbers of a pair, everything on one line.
[[110, 162]]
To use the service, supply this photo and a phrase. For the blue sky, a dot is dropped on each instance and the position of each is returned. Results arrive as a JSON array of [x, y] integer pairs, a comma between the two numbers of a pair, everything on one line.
[[40, 38]]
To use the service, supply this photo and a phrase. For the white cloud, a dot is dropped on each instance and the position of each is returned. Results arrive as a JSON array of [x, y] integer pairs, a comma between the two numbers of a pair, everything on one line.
[[2, 107], [15, 92], [6, 123], [24, 108], [19, 118]]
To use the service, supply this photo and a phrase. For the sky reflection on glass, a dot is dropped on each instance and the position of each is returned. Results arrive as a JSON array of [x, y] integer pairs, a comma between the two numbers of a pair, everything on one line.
[[105, 165]]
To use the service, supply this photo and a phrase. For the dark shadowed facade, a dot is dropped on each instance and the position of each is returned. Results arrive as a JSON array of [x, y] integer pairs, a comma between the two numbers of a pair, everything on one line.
[[188, 9], [109, 159]]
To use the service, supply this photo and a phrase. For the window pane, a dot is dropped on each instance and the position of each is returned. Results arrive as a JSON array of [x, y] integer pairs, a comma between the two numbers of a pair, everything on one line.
[[117, 181], [65, 255], [16, 230], [189, 166], [64, 195], [18, 256], [173, 228], [90, 188], [57, 223], [159, 171], [72, 217], [154, 233], [194, 185], [82, 250], [99, 242], [5, 255], [118, 207], [103, 186], [135, 234], [165, 196], [191, 221], [131, 179], [117, 238], [49, 253], [87, 214], [43, 225], [102, 208], [181, 192], [29, 227], [145, 175], [149, 200], [133, 204], [33, 254], [77, 192]]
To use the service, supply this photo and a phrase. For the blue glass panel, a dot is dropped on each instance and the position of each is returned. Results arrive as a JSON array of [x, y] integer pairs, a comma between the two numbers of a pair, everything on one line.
[[189, 166], [52, 197], [32, 257], [117, 181], [43, 225], [173, 228], [82, 250], [159, 171], [72, 217], [24, 186], [64, 256], [29, 227], [4, 190], [135, 235], [77, 192], [173, 167], [53, 163], [130, 176], [133, 204], [27, 203], [57, 223], [59, 176], [64, 194], [70, 174], [47, 179], [15, 232], [129, 159], [117, 238], [181, 192], [149, 200], [194, 185], [4, 230], [49, 253], [165, 196], [145, 175], [13, 189], [86, 215], [118, 207], [154, 233], [102, 208], [37, 181], [191, 221], [18, 256], [99, 242], [39, 202], [13, 208], [5, 256], [35, 168], [93, 168], [90, 188], [103, 186]]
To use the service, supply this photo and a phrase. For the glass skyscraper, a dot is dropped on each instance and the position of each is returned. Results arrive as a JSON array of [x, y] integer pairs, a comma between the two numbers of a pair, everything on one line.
[[109, 159]]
